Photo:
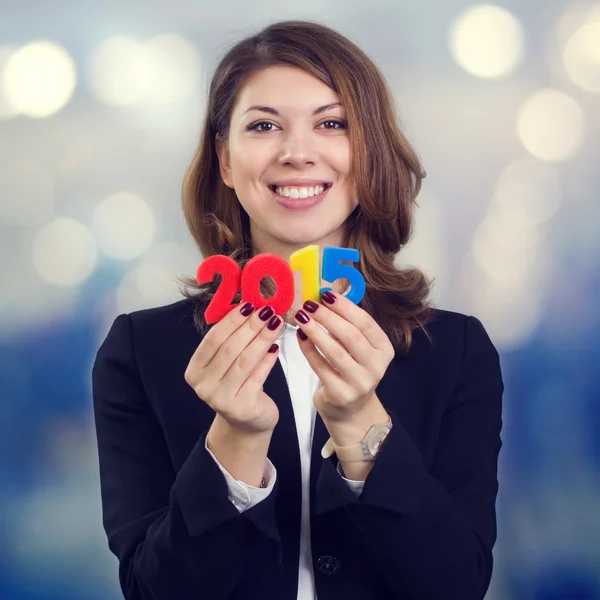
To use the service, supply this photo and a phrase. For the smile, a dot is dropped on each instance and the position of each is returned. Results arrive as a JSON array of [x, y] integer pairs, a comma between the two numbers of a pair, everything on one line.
[[299, 198], [296, 191]]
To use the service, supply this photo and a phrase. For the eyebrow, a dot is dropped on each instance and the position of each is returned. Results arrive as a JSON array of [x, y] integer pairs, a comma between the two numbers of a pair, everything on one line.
[[273, 111]]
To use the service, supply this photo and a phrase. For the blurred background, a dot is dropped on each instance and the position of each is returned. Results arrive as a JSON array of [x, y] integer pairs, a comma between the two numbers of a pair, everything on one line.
[[101, 107]]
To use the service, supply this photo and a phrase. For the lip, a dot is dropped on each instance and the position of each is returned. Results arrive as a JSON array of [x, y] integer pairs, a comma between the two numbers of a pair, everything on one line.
[[299, 203]]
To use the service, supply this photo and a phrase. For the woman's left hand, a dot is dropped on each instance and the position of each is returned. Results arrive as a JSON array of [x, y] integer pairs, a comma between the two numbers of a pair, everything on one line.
[[357, 354]]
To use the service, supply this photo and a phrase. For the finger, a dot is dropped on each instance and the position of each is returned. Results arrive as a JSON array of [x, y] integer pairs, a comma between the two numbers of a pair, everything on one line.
[[347, 335], [247, 360], [221, 331], [337, 355], [256, 380], [324, 371], [358, 317]]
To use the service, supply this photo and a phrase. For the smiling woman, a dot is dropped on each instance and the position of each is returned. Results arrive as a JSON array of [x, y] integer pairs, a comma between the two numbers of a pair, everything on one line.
[[353, 460]]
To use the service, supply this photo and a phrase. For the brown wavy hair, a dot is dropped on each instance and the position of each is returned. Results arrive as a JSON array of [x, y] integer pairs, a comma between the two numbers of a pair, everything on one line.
[[385, 169]]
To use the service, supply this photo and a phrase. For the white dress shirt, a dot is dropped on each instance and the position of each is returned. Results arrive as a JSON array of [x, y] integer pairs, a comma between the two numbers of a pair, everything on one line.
[[302, 383]]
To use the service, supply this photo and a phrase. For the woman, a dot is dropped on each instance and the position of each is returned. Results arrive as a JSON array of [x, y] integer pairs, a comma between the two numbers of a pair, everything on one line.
[[217, 473]]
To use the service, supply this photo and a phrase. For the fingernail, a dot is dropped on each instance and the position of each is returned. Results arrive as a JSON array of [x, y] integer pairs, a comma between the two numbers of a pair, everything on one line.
[[301, 334], [302, 317], [311, 306], [247, 309], [273, 324], [328, 297], [273, 348], [265, 313]]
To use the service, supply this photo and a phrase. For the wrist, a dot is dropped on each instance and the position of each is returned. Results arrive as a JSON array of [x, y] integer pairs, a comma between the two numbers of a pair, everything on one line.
[[243, 455], [221, 431], [352, 430]]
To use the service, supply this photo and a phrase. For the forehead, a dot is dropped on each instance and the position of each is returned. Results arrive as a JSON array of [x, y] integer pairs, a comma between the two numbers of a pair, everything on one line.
[[285, 88]]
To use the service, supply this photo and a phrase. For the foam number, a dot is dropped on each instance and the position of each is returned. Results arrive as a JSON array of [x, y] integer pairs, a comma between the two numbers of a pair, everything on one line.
[[305, 260], [333, 269], [220, 305], [268, 265]]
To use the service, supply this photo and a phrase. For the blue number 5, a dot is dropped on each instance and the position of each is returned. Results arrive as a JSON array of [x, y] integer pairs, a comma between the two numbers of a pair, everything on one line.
[[332, 270]]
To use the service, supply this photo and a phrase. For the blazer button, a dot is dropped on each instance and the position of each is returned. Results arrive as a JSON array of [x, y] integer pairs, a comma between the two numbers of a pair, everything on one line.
[[329, 565]]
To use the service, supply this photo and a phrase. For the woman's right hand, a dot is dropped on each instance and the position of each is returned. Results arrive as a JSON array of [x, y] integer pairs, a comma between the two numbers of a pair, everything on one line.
[[231, 364]]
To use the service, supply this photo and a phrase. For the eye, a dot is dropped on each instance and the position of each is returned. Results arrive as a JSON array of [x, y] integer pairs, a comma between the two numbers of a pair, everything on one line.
[[334, 124], [261, 126]]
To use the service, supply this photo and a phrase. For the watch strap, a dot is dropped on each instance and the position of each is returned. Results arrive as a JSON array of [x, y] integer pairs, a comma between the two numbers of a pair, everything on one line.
[[355, 452]]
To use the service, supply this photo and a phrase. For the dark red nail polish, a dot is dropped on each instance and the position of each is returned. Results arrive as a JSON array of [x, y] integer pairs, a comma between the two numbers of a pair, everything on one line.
[[247, 309], [302, 335], [302, 317], [273, 348], [328, 297], [311, 306], [266, 313], [273, 324]]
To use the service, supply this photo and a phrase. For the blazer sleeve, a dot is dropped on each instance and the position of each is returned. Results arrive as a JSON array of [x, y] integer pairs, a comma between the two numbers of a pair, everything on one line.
[[176, 534], [242, 495], [430, 533]]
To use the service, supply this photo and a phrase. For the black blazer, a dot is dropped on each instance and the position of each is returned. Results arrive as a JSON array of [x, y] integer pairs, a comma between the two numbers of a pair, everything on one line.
[[423, 527]]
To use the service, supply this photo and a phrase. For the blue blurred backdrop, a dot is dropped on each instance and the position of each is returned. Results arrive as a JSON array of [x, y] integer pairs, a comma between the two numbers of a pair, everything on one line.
[[101, 106]]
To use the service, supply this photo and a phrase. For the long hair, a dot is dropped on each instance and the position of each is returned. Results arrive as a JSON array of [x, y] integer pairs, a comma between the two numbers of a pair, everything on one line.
[[385, 169]]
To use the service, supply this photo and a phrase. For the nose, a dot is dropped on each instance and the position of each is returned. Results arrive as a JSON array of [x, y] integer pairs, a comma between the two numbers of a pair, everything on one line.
[[298, 150]]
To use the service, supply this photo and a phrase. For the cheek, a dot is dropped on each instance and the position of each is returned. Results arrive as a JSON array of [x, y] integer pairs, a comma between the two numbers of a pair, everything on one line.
[[342, 158], [249, 161]]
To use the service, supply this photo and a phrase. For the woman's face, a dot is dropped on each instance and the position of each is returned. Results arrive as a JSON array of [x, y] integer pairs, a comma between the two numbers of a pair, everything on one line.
[[288, 141]]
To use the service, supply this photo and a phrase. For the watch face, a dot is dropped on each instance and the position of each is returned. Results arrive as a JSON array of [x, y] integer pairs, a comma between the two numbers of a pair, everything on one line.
[[376, 439]]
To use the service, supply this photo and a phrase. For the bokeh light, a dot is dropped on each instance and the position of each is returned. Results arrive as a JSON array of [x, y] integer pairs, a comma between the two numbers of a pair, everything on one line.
[[153, 281], [26, 193], [174, 68], [39, 79], [64, 252], [7, 111], [574, 16], [506, 279], [125, 71], [550, 125], [119, 71], [124, 226], [425, 249], [529, 188], [487, 41], [582, 57]]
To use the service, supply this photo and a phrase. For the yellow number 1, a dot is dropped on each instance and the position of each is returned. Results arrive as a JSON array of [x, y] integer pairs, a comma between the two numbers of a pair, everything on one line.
[[306, 260]]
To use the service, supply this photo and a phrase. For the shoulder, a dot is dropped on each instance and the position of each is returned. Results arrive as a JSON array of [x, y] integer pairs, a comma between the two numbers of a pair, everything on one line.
[[175, 315], [458, 342], [154, 330], [465, 339], [163, 327], [452, 330]]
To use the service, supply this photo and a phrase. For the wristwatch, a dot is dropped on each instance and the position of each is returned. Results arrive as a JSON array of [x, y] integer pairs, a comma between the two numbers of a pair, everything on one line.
[[366, 449]]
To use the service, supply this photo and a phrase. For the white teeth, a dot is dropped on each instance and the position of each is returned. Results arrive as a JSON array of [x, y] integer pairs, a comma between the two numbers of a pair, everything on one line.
[[299, 192]]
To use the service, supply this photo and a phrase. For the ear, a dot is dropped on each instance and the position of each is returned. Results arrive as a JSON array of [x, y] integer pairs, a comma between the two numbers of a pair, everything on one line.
[[224, 161]]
